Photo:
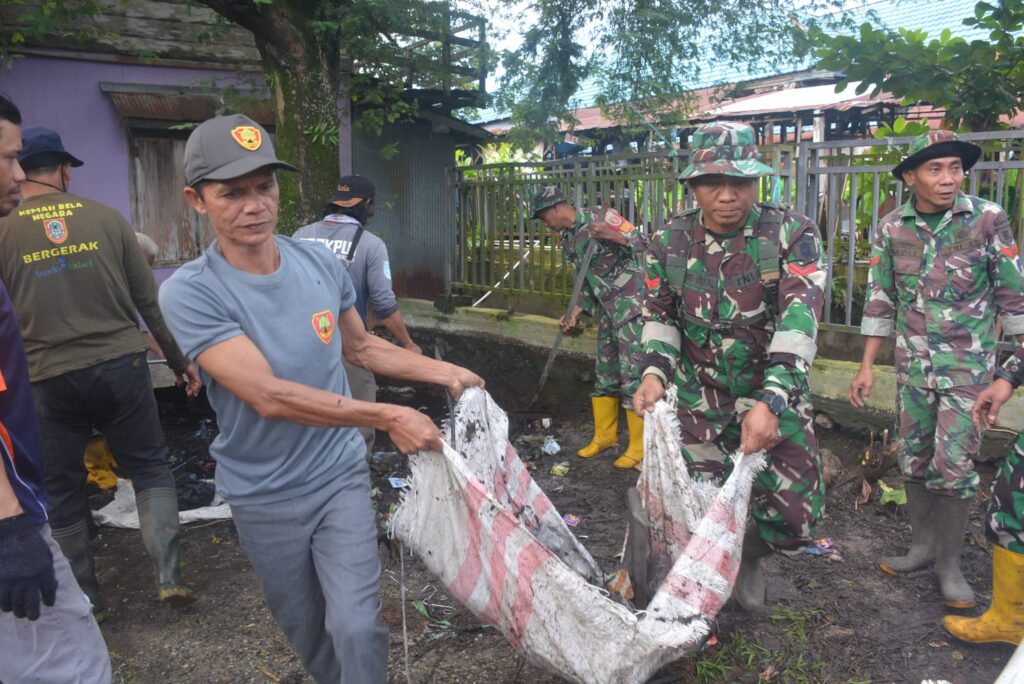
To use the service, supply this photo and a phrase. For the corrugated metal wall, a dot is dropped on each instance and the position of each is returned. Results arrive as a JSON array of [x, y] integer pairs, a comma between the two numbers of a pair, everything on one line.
[[414, 215]]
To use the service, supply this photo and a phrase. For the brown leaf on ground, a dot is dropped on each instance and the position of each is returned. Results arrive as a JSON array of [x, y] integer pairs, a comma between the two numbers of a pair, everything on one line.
[[865, 492]]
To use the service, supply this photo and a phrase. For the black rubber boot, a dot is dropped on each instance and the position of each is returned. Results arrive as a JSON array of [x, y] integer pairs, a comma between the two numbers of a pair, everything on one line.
[[750, 590], [158, 523], [949, 518], [922, 534], [74, 544]]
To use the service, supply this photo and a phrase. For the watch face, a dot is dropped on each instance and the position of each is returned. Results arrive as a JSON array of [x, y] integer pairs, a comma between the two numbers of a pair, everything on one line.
[[776, 403]]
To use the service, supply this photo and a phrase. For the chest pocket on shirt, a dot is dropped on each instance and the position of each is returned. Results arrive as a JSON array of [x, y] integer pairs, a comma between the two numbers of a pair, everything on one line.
[[907, 257], [965, 268]]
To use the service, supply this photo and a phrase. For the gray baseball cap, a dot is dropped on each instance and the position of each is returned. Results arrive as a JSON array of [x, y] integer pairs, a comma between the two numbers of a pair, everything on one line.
[[227, 147]]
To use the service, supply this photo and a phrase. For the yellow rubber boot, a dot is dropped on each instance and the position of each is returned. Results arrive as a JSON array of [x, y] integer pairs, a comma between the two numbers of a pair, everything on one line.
[[635, 452], [1003, 622], [99, 462], [606, 426]]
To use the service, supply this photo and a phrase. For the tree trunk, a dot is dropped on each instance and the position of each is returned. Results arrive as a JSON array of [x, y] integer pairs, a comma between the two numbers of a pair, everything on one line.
[[302, 68]]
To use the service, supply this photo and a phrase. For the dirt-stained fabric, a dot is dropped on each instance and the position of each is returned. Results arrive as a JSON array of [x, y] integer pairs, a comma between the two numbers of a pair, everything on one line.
[[481, 524]]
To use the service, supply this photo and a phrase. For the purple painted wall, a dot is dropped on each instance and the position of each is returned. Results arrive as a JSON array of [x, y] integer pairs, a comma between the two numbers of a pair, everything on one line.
[[65, 95]]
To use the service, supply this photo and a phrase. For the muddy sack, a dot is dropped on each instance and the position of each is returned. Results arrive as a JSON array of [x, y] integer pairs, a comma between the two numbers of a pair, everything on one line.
[[482, 525]]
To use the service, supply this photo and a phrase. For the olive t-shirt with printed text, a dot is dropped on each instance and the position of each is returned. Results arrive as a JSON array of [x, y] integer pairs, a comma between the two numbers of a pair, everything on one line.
[[77, 277]]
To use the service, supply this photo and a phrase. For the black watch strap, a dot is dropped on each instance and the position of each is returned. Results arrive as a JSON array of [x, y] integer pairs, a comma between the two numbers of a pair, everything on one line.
[[776, 402]]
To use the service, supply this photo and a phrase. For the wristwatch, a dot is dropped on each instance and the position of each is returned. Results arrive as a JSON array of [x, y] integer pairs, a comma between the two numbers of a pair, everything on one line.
[[776, 403]]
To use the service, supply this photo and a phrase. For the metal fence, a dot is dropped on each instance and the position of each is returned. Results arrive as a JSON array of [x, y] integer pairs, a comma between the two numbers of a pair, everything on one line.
[[501, 248], [845, 186]]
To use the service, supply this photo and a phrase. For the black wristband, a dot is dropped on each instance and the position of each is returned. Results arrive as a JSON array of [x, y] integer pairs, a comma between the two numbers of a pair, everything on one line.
[[1003, 374]]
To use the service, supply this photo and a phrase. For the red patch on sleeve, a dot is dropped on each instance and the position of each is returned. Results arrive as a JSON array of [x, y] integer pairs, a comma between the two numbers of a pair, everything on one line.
[[652, 283], [874, 260], [797, 269], [1010, 251]]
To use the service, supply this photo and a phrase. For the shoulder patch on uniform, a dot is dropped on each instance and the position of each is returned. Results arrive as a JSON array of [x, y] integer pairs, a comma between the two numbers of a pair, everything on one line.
[[805, 250]]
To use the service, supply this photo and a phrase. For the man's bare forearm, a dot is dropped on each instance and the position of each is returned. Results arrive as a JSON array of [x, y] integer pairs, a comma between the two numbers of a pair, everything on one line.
[[396, 326], [871, 347], [390, 360]]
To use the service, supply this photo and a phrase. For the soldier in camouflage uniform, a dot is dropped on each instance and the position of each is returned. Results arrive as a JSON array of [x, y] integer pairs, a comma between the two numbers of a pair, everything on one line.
[[734, 293], [612, 294], [942, 266], [1004, 620]]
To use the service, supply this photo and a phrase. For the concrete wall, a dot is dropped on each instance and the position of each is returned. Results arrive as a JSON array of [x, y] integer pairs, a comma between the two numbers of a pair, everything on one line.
[[830, 378]]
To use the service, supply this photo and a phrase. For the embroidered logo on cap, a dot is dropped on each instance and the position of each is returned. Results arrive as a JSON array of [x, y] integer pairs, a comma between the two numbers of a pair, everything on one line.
[[323, 324], [344, 188], [248, 137], [56, 231]]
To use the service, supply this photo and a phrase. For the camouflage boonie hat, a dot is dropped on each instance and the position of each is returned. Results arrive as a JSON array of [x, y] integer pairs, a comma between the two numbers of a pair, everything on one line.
[[934, 145], [546, 197], [725, 148]]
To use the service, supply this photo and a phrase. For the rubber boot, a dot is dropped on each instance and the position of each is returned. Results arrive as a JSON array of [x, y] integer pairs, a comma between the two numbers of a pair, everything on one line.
[[949, 521], [606, 426], [158, 523], [750, 589], [922, 537], [74, 544], [635, 451], [1003, 622]]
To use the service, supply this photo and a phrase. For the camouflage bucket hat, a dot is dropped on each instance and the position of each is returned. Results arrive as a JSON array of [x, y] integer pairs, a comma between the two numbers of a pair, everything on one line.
[[935, 145], [546, 197], [725, 148]]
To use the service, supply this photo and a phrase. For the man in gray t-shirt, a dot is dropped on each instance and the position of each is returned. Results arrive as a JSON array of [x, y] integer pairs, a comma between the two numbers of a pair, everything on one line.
[[267, 319], [343, 231]]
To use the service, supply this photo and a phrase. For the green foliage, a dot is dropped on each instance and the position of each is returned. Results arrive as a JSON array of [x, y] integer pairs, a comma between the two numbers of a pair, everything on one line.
[[323, 133], [639, 51], [976, 81], [739, 657], [47, 19]]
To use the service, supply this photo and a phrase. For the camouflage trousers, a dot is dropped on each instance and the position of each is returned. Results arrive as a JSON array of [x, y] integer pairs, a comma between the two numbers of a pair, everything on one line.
[[938, 439], [1005, 516], [788, 496], [619, 356]]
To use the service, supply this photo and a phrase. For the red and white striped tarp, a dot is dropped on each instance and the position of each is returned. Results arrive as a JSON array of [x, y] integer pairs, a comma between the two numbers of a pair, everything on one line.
[[483, 526]]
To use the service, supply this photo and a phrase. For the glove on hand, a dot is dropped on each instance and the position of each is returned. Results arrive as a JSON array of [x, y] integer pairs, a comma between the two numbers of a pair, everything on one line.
[[26, 568]]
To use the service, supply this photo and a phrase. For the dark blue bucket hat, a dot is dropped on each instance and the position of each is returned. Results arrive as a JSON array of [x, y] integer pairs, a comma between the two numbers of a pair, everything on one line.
[[41, 147]]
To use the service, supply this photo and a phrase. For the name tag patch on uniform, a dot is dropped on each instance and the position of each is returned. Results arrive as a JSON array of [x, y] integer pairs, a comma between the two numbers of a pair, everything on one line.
[[961, 245], [323, 324], [56, 230]]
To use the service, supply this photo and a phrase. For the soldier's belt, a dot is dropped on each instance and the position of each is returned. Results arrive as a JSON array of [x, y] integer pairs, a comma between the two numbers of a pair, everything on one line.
[[725, 326]]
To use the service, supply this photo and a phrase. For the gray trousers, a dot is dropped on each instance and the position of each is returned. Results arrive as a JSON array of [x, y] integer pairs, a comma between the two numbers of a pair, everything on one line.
[[64, 646], [317, 560], [363, 386]]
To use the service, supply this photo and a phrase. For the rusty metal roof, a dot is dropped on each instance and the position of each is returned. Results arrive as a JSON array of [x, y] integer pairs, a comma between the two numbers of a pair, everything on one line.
[[184, 103]]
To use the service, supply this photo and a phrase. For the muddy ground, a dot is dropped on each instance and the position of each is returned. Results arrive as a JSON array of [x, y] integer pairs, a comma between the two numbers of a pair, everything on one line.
[[830, 619]]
